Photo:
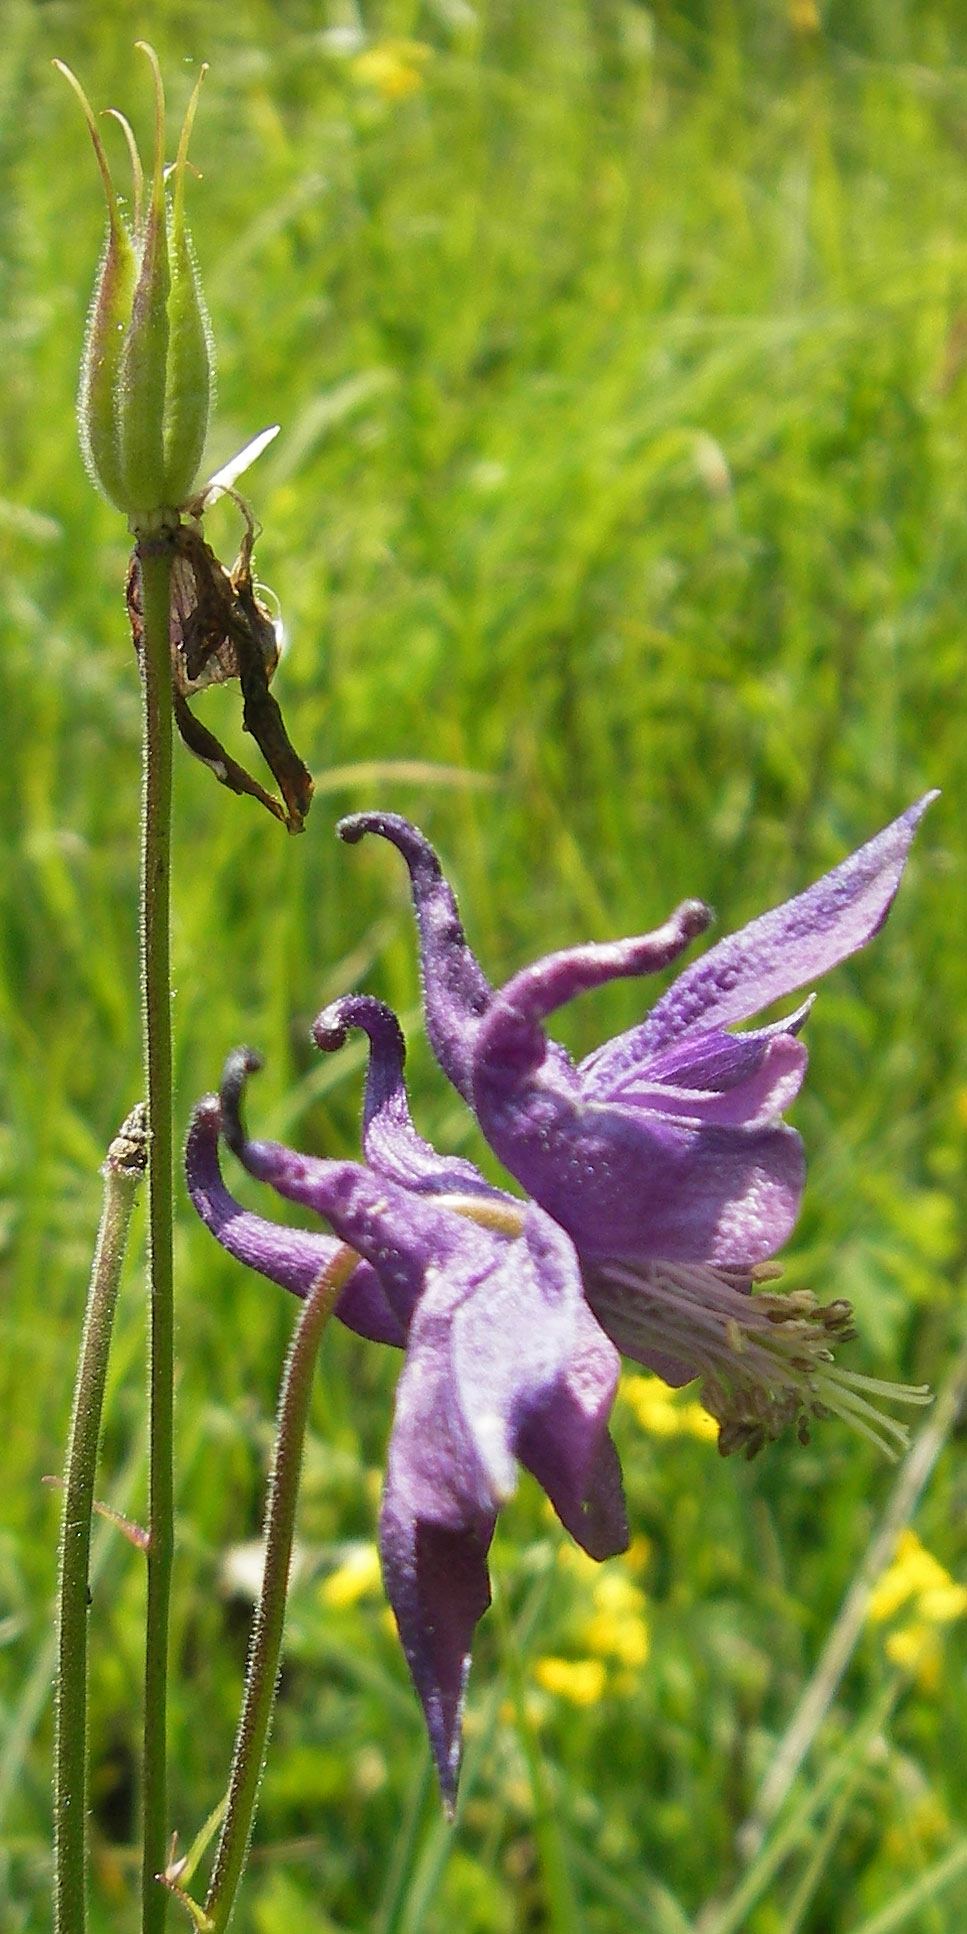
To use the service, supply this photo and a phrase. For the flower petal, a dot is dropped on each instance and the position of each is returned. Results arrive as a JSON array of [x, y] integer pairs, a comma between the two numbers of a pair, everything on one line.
[[743, 1080], [629, 1183], [450, 1465], [293, 1258], [396, 1230], [608, 1068], [561, 1435], [794, 943], [437, 1584], [504, 1363], [509, 1041], [391, 1144], [455, 990]]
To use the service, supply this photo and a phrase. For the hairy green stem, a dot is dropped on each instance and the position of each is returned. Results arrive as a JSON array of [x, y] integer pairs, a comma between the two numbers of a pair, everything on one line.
[[263, 1664], [155, 555], [122, 1171]]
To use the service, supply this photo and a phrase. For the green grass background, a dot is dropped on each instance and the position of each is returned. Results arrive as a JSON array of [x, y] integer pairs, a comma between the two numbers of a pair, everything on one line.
[[621, 359]]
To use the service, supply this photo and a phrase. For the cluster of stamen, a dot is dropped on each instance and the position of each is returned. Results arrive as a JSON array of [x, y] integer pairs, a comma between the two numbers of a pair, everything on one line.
[[765, 1360]]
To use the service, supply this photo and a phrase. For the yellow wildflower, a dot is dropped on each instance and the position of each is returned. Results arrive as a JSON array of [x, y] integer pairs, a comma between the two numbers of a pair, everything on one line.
[[357, 1576], [580, 1681], [915, 1648], [914, 1573], [618, 1627], [393, 68], [664, 1412], [917, 1580]]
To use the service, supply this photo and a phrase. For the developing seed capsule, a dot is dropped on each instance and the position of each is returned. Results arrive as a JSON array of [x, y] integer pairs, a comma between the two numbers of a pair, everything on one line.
[[146, 374]]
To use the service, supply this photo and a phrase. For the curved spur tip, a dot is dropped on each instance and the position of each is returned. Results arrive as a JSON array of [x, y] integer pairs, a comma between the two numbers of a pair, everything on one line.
[[238, 1066]]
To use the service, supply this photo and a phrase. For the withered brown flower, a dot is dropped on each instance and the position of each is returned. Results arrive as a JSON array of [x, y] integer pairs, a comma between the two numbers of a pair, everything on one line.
[[220, 629]]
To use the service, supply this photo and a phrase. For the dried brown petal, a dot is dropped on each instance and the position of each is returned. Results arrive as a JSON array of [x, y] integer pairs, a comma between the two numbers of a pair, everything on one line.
[[219, 629]]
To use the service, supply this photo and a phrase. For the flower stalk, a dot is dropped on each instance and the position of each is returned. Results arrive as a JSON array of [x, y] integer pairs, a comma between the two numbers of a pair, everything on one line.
[[156, 559], [123, 1170], [263, 1666]]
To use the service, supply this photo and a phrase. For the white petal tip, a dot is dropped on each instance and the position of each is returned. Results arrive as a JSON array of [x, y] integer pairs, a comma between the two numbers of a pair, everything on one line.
[[228, 475]]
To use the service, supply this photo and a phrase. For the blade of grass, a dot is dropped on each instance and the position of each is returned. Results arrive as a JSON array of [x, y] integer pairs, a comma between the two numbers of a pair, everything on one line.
[[820, 1689], [728, 1916], [563, 1912], [428, 1871], [902, 1909]]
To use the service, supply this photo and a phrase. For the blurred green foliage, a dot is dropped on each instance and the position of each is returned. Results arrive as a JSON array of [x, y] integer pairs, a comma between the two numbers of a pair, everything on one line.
[[621, 359]]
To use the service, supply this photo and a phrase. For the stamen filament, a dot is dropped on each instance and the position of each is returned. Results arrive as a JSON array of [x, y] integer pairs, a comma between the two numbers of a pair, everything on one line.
[[910, 1393], [765, 1360]]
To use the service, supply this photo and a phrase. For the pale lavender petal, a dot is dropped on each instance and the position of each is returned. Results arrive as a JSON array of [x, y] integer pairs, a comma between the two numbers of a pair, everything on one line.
[[604, 1072], [293, 1258], [796, 942], [561, 1435], [738, 1081], [439, 1509], [535, 1374], [455, 990]]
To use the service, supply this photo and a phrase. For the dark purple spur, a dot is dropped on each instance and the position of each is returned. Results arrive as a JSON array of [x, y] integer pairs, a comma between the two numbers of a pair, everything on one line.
[[505, 1363], [663, 1154]]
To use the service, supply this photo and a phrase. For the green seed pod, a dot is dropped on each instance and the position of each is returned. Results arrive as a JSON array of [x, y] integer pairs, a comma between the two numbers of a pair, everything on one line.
[[188, 393], [107, 321], [147, 368], [140, 396]]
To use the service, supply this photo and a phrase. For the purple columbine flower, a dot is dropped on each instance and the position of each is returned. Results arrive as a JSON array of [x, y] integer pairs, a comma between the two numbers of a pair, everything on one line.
[[504, 1364], [663, 1154]]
